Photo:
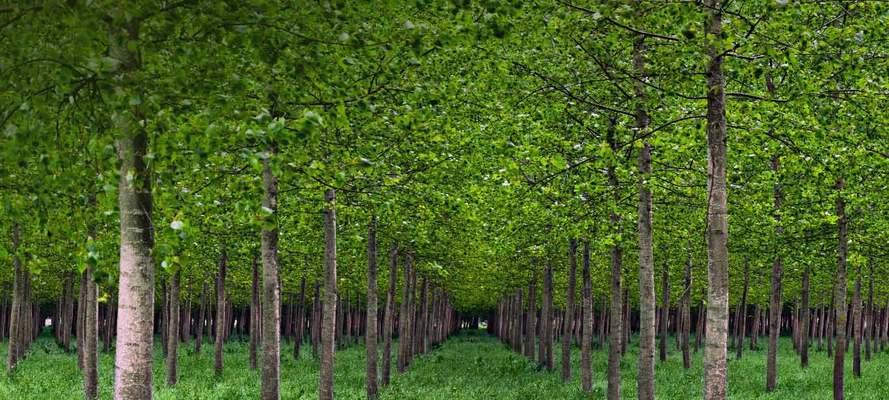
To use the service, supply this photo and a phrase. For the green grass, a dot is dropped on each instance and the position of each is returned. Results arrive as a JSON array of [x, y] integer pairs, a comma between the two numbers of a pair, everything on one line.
[[469, 366]]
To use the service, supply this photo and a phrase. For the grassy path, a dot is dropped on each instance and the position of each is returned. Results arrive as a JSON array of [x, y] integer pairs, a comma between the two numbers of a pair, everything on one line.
[[469, 366]]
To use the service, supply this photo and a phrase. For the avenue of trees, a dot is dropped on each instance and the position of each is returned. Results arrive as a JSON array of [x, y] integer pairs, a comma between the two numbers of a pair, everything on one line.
[[682, 176]]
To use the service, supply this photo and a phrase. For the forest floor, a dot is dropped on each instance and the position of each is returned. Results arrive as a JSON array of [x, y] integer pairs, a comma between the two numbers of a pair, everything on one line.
[[468, 366]]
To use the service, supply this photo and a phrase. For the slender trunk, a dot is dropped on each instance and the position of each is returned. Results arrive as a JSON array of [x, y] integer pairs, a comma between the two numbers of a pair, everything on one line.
[[741, 318], [840, 295], [370, 338], [586, 370], [300, 319], [403, 316], [81, 302], [831, 320], [685, 310], [665, 312], [15, 319], [647, 307], [568, 321], [869, 314], [775, 303], [546, 315], [531, 338], [754, 333], [255, 313], [173, 330], [804, 321], [328, 336], [856, 325], [69, 312], [389, 317], [717, 223], [615, 334], [420, 330], [271, 290], [199, 332], [219, 323], [165, 315], [316, 320]]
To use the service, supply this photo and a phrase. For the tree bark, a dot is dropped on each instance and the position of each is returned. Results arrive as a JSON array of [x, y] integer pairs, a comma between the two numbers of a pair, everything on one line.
[[869, 313], [717, 223], [546, 315], [328, 336], [804, 321], [586, 370], [370, 338], [173, 330], [271, 291], [404, 316], [840, 294], [531, 338], [665, 312], [856, 325], [568, 321], [255, 320], [133, 359], [16, 319], [300, 319], [615, 334], [647, 304], [742, 312], [199, 331], [219, 323], [389, 317], [685, 317], [775, 303]]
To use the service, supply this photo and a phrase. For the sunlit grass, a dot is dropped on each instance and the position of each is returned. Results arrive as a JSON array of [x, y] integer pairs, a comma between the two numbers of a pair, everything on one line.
[[469, 366]]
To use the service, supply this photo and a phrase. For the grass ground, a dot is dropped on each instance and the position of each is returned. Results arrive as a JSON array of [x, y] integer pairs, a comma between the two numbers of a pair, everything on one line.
[[469, 366]]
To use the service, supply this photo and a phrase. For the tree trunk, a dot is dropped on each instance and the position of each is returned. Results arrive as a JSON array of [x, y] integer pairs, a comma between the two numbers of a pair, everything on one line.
[[370, 338], [869, 314], [173, 330], [856, 325], [199, 332], [840, 295], [685, 310], [403, 316], [419, 332], [775, 303], [389, 317], [568, 321], [531, 338], [717, 223], [754, 333], [271, 291], [328, 336], [81, 302], [615, 334], [586, 343], [546, 315], [647, 306], [665, 312], [741, 318], [16, 316], [804, 321], [220, 313], [300, 319], [255, 313], [133, 358], [316, 320], [831, 320]]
